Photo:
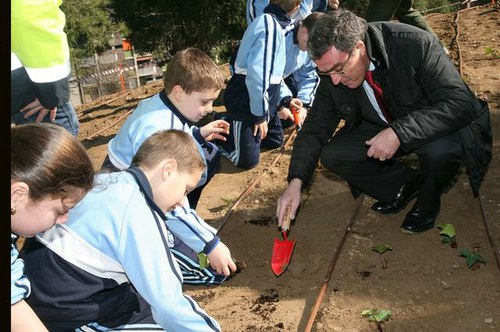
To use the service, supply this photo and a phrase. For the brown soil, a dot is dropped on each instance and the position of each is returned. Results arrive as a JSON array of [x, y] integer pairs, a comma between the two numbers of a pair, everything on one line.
[[427, 286]]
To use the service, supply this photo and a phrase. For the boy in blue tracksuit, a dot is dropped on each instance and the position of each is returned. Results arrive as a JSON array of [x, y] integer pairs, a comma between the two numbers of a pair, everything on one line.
[[192, 82], [111, 265], [256, 97]]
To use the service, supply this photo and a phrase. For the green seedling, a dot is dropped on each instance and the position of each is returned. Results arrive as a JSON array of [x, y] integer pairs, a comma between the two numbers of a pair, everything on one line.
[[202, 260], [448, 235], [381, 249], [488, 50], [473, 258], [377, 315], [227, 201]]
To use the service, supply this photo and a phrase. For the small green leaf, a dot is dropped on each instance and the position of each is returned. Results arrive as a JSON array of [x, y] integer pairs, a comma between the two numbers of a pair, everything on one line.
[[202, 260], [367, 312], [447, 229], [465, 253], [382, 248], [472, 258], [382, 315], [377, 315], [227, 201]]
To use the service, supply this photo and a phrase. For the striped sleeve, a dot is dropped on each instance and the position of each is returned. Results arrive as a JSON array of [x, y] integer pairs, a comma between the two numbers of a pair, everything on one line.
[[188, 226], [20, 287], [265, 50]]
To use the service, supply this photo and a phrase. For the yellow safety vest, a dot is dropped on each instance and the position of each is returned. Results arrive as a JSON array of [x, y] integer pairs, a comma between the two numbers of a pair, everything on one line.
[[38, 40]]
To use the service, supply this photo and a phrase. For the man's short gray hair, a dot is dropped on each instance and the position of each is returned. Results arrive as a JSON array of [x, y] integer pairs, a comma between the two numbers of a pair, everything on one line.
[[341, 29]]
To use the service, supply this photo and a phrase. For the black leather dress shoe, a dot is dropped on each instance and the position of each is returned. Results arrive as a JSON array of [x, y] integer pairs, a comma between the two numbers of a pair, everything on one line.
[[417, 222], [407, 192]]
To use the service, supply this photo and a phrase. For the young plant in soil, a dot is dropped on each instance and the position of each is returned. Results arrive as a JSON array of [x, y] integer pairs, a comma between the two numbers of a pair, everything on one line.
[[473, 258], [377, 315], [202, 260], [448, 235], [381, 249], [491, 51], [228, 201]]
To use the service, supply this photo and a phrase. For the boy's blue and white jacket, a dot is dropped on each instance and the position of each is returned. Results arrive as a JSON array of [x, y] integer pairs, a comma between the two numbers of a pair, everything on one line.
[[151, 115], [259, 67], [268, 53], [113, 235]]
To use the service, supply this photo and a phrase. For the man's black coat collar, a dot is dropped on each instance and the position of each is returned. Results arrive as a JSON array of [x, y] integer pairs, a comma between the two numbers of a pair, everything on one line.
[[375, 46]]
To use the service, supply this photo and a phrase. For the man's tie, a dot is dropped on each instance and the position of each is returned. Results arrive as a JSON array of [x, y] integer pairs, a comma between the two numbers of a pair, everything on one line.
[[377, 89]]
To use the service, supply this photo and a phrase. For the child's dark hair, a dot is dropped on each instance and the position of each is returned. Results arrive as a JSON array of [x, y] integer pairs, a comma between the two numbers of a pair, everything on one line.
[[310, 20], [49, 160], [170, 144], [192, 70]]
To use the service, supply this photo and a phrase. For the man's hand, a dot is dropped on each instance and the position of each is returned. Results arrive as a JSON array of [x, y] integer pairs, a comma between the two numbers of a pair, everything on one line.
[[36, 107], [286, 113], [302, 116], [291, 197], [214, 130], [221, 261], [262, 127], [296, 103], [299, 106], [383, 145]]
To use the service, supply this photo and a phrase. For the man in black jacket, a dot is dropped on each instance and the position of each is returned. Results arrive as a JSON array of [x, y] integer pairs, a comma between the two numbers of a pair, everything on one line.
[[424, 108]]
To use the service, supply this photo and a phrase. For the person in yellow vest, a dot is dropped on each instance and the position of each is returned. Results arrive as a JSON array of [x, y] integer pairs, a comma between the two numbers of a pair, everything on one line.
[[40, 65]]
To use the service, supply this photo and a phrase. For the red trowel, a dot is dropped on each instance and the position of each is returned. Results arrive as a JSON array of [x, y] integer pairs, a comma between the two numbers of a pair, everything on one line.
[[282, 249], [296, 118]]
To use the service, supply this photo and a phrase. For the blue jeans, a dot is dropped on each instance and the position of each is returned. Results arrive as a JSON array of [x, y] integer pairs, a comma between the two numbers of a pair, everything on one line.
[[65, 117]]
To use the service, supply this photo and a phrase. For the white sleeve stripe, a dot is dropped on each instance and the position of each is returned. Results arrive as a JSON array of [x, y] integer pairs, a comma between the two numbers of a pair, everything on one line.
[[14, 62], [71, 247]]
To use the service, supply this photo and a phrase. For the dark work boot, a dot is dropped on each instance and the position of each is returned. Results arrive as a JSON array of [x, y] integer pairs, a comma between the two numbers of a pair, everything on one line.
[[406, 193]]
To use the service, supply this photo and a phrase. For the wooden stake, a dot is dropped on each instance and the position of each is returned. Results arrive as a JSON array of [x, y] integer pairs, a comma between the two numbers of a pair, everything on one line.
[[329, 273]]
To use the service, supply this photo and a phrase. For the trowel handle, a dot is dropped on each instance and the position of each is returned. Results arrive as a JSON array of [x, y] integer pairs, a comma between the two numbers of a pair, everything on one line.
[[296, 118], [285, 225]]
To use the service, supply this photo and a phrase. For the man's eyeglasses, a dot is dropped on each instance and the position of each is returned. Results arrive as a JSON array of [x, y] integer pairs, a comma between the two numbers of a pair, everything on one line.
[[341, 71]]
